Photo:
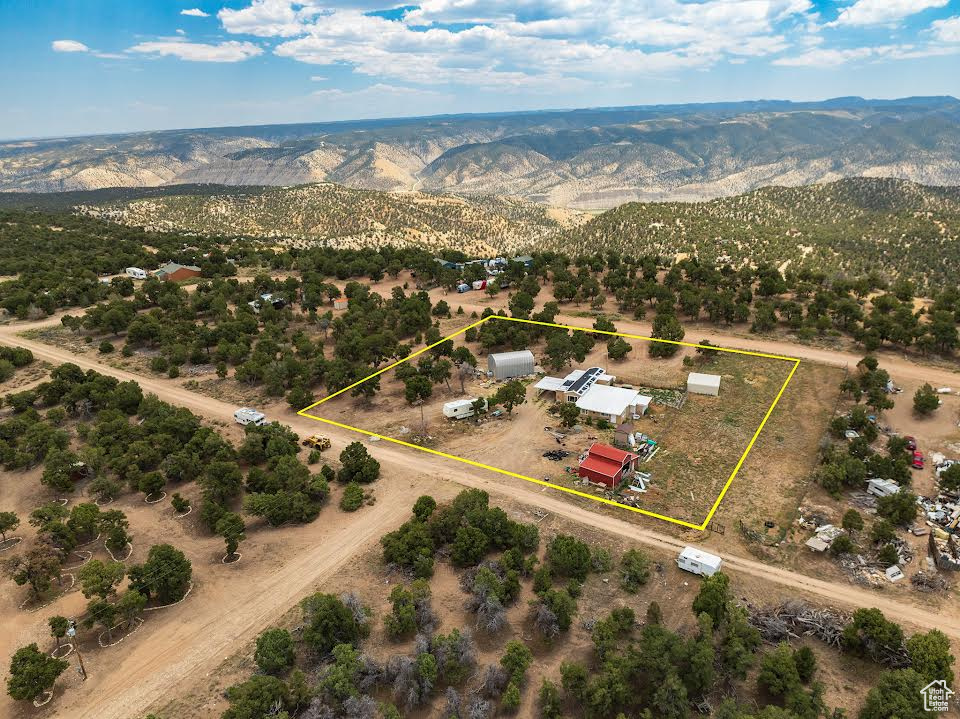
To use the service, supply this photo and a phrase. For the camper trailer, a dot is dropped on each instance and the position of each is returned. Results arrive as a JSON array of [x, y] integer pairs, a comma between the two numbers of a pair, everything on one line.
[[882, 487], [246, 416], [136, 273], [699, 562], [460, 408]]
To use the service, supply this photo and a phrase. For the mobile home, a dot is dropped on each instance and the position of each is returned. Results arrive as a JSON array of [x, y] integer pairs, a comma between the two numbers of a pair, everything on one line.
[[136, 273], [699, 562]]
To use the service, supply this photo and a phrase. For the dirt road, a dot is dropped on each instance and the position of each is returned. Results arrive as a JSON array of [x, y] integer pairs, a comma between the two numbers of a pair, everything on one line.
[[894, 363], [216, 626]]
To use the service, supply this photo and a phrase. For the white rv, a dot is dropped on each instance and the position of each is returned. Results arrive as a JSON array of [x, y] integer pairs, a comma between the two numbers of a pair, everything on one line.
[[136, 273], [699, 562], [246, 416], [460, 408], [882, 487]]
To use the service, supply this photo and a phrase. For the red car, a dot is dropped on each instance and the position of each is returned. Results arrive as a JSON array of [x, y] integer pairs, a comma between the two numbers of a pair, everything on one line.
[[917, 461], [911, 444]]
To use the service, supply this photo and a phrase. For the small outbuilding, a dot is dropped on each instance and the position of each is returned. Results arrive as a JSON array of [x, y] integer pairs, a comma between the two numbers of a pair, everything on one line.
[[341, 303], [699, 383], [504, 365], [607, 465], [174, 272]]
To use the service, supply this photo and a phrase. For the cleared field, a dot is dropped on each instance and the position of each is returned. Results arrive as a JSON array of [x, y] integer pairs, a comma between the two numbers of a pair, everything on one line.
[[713, 435]]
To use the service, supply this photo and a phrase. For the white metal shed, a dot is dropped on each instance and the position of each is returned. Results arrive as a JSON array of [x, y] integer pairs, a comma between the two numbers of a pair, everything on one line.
[[699, 383], [504, 365]]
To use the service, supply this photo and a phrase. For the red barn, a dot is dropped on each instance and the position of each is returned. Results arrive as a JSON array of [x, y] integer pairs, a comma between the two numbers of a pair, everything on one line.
[[607, 465]]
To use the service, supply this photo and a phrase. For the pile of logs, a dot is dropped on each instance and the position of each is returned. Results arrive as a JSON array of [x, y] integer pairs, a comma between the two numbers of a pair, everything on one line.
[[795, 619]]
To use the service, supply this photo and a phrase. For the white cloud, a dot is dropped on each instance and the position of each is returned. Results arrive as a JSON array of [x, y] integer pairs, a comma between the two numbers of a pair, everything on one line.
[[827, 57], [318, 78], [882, 12], [268, 18], [489, 56], [229, 51], [69, 46], [947, 30], [195, 12], [378, 91]]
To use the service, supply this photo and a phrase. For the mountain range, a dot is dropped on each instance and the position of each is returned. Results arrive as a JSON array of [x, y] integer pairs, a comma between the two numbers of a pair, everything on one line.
[[581, 159]]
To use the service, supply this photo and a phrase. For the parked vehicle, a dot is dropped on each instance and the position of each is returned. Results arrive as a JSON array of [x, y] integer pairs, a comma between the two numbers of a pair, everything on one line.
[[317, 442], [463, 287], [911, 444], [699, 562], [136, 273], [246, 416], [917, 462]]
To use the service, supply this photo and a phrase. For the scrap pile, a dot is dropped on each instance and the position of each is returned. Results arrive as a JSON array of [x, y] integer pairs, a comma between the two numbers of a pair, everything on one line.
[[944, 511], [795, 619], [861, 572], [556, 455], [929, 582], [944, 550]]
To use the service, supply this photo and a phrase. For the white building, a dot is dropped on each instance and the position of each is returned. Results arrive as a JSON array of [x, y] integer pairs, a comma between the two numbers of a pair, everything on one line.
[[699, 383], [136, 273], [591, 391]]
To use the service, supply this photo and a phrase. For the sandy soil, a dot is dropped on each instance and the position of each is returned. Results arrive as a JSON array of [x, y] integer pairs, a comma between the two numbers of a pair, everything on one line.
[[226, 613]]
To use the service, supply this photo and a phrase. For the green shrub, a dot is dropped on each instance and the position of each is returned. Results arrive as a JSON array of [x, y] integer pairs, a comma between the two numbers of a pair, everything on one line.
[[352, 497]]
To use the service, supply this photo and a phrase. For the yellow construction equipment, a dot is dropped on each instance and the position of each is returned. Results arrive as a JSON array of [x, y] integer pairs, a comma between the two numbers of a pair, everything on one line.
[[318, 442]]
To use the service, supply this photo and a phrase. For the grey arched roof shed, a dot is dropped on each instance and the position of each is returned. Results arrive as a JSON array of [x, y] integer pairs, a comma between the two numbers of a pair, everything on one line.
[[504, 365]]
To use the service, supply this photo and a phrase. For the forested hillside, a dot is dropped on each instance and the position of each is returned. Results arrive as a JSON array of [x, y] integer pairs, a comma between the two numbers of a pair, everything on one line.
[[345, 218], [847, 228]]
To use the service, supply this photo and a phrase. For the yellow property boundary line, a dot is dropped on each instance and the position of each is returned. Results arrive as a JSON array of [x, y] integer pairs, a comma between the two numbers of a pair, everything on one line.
[[305, 412]]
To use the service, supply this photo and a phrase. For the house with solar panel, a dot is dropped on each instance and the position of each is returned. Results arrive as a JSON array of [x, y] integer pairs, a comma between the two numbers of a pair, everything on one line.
[[593, 392]]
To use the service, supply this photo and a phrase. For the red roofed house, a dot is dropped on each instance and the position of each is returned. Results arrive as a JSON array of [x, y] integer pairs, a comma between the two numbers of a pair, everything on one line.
[[607, 465]]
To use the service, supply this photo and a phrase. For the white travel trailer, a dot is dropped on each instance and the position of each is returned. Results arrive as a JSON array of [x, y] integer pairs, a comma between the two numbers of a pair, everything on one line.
[[882, 487], [136, 273], [699, 562], [246, 416], [460, 408]]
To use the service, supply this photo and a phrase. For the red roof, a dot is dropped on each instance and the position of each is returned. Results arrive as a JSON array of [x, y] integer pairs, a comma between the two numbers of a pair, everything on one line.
[[612, 453], [606, 460]]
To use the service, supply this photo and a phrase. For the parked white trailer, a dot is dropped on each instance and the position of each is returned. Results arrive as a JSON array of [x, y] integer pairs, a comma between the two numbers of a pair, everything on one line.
[[136, 273], [246, 416], [699, 562], [882, 487], [460, 408]]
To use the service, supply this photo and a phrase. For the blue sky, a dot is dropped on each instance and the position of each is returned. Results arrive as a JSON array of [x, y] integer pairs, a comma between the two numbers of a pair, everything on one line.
[[76, 67]]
